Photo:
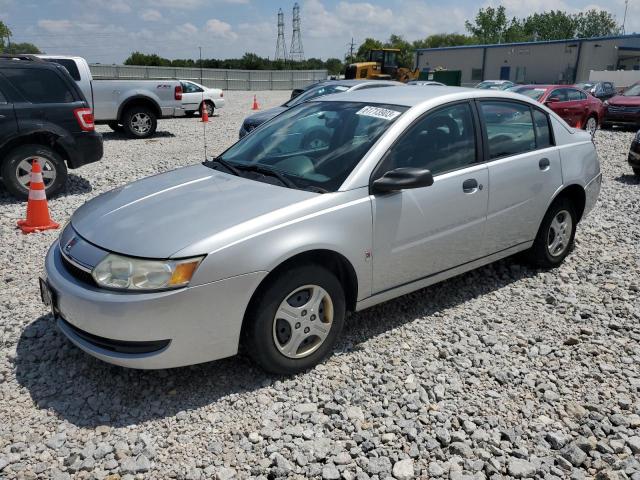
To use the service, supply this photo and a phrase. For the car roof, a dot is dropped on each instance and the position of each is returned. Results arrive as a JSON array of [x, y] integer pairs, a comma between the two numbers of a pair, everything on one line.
[[412, 95]]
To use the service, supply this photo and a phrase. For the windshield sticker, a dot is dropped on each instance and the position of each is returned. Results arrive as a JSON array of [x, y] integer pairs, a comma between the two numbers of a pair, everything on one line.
[[377, 112]]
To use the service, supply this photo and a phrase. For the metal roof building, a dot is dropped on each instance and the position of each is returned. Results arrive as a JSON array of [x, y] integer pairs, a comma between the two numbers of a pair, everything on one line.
[[555, 61]]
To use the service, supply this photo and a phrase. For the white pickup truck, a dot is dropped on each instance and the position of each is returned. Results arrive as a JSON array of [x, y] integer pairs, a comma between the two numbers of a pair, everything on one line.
[[132, 106]]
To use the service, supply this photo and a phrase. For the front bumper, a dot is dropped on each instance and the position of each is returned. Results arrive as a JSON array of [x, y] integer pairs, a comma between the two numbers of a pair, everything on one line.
[[620, 118], [189, 325], [218, 102], [592, 191], [634, 154]]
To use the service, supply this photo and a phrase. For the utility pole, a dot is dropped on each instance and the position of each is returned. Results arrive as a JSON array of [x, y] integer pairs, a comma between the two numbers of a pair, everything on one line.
[[351, 48], [281, 47], [624, 19], [200, 48], [296, 52]]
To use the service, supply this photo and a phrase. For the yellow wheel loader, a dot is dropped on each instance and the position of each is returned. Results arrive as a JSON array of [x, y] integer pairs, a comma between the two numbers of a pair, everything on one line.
[[382, 65]]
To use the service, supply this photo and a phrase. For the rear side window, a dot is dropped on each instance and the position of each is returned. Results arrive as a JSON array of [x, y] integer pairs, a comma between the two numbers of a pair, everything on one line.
[[509, 128], [543, 130], [70, 65], [574, 95], [39, 85]]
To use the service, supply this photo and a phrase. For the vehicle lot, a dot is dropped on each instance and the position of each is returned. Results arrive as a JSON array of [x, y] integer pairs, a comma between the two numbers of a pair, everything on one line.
[[503, 370]]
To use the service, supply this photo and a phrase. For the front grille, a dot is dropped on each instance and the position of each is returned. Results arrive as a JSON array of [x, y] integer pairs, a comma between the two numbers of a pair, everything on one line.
[[624, 109], [119, 346], [78, 273]]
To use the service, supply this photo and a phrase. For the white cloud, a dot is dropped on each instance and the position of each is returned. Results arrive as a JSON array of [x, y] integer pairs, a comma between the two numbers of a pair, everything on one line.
[[55, 26], [219, 29], [176, 4], [151, 15], [188, 29]]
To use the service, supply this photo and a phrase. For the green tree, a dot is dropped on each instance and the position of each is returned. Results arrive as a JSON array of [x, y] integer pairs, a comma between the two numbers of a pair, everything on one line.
[[334, 66], [15, 48], [405, 57], [444, 40], [596, 23], [552, 25]]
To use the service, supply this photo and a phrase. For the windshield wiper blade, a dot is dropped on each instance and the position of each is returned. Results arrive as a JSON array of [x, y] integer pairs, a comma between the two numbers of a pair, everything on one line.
[[226, 165], [271, 172]]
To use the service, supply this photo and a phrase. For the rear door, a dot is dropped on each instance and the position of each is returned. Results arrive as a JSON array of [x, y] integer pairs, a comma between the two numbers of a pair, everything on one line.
[[191, 96], [562, 106], [524, 171], [578, 103], [420, 232]]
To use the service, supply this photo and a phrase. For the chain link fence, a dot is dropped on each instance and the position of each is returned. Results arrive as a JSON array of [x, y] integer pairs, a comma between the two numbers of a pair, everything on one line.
[[213, 77]]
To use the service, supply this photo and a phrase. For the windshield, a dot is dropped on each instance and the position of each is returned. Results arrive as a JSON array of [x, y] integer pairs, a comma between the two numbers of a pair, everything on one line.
[[316, 144], [632, 91], [316, 92]]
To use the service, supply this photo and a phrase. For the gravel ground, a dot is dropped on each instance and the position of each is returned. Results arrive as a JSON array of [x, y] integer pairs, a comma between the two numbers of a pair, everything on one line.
[[502, 372]]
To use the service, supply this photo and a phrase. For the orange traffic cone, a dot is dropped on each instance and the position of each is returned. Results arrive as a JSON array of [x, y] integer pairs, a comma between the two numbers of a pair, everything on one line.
[[37, 209], [205, 114], [255, 104]]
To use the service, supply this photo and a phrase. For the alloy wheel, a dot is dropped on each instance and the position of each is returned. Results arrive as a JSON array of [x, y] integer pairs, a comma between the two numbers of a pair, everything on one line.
[[303, 321], [23, 171], [140, 123], [559, 233], [592, 125]]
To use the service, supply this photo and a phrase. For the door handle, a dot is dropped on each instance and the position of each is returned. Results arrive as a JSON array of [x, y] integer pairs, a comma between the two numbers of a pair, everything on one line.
[[544, 164], [471, 186]]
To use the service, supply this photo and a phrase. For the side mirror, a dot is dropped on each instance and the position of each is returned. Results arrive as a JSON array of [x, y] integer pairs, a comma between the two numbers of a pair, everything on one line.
[[403, 178]]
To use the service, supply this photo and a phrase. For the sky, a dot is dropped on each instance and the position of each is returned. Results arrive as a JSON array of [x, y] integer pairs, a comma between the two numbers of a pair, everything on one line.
[[107, 31]]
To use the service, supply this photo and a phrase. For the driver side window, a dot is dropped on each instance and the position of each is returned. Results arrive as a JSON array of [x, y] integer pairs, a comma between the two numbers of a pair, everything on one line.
[[441, 141]]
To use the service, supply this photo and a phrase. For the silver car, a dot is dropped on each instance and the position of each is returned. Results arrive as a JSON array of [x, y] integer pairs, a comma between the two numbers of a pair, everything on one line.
[[272, 243]]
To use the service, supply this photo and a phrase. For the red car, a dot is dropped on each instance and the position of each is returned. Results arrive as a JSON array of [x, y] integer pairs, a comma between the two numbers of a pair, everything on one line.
[[578, 108], [623, 109]]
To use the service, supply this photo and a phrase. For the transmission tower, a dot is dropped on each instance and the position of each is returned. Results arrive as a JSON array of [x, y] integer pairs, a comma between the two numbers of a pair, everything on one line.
[[281, 45], [296, 52]]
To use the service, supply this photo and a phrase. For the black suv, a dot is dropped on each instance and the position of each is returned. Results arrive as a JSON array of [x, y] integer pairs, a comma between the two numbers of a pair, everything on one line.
[[43, 116]]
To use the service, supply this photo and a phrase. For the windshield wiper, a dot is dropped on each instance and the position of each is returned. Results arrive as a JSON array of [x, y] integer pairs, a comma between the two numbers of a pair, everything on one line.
[[226, 165], [316, 189], [269, 171]]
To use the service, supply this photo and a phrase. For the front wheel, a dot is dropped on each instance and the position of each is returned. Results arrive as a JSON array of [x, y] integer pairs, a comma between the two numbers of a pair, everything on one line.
[[209, 106], [636, 171], [555, 236], [139, 122], [293, 324], [16, 169], [591, 125]]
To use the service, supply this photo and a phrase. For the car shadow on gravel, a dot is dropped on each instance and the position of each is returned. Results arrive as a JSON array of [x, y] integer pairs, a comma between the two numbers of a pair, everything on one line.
[[123, 136], [76, 185], [628, 179], [88, 392]]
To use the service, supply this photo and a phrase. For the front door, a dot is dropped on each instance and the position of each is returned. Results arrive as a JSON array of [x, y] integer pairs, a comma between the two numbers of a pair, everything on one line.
[[524, 172], [505, 73], [423, 231]]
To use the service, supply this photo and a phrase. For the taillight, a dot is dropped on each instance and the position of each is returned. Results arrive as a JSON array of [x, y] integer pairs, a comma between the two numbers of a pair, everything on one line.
[[177, 93], [85, 119]]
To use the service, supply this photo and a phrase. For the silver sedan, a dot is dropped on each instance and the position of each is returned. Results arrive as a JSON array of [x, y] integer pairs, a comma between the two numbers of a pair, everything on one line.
[[270, 244]]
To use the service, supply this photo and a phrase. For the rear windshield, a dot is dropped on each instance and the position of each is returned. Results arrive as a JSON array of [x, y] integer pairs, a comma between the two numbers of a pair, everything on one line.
[[534, 93], [633, 91], [316, 92], [70, 65], [39, 85]]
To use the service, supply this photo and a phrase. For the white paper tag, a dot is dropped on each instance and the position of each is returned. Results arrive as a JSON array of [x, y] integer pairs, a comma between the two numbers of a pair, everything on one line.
[[377, 112]]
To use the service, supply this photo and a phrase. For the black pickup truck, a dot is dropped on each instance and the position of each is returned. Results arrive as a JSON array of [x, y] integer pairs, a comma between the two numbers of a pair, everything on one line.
[[43, 116]]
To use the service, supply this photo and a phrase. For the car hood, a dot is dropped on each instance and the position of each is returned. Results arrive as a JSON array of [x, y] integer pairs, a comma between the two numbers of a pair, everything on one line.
[[161, 215], [622, 100], [261, 117]]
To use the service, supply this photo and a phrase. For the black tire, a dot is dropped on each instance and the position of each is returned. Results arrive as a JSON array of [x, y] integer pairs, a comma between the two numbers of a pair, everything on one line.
[[116, 127], [139, 122], [189, 113], [586, 122], [13, 167], [210, 107], [539, 254], [606, 126], [636, 171], [259, 332]]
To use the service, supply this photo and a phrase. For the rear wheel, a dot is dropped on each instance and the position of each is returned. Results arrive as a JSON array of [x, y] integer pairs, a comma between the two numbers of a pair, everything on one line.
[[555, 236], [139, 122], [16, 169], [293, 324], [636, 171]]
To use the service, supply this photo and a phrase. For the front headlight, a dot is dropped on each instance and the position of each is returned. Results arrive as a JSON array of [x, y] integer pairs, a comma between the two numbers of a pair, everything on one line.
[[124, 273]]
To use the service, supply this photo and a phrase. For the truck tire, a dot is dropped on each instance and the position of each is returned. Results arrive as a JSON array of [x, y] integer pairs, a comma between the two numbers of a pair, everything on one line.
[[16, 169], [139, 122], [116, 127]]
